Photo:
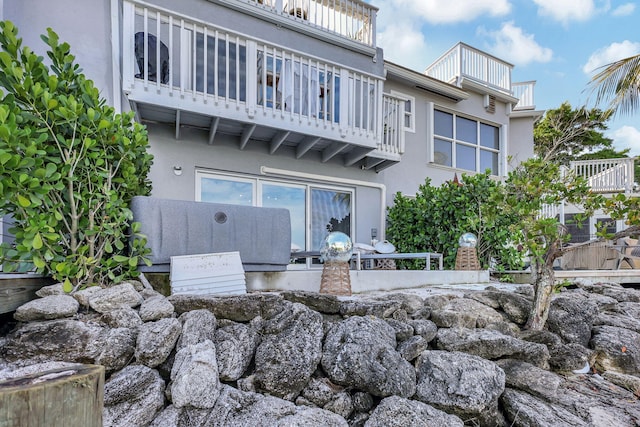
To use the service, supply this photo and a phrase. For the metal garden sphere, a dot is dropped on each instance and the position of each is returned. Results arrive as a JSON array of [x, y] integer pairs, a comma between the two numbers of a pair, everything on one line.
[[337, 246], [468, 240]]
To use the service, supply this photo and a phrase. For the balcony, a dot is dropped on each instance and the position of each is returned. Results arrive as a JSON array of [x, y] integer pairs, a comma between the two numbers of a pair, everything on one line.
[[190, 73], [607, 175], [464, 63]]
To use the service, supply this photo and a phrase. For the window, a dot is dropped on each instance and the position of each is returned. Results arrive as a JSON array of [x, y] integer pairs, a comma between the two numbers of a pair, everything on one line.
[[409, 111], [465, 143], [315, 210]]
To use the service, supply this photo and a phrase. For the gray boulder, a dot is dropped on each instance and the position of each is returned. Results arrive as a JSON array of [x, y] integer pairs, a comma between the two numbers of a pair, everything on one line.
[[515, 306], [155, 308], [491, 344], [412, 348], [522, 409], [631, 309], [397, 411], [239, 308], [123, 317], [290, 351], [618, 320], [84, 295], [114, 349], [461, 384], [341, 404], [465, 313], [403, 330], [322, 303], [622, 295], [382, 309], [531, 379], [156, 340], [132, 397], [236, 344], [571, 318], [194, 376], [360, 352], [320, 391], [197, 326], [47, 308], [425, 328], [114, 297], [616, 349], [568, 357], [55, 289]]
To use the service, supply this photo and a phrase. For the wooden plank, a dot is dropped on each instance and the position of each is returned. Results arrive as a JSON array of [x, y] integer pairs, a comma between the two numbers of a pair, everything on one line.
[[18, 289]]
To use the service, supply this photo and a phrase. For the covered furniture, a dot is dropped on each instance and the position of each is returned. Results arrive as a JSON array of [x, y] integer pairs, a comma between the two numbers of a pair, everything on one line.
[[598, 255], [178, 227], [630, 253]]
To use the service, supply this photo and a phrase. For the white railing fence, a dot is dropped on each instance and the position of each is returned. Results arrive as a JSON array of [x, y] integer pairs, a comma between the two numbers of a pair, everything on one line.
[[607, 175], [393, 125], [524, 92]]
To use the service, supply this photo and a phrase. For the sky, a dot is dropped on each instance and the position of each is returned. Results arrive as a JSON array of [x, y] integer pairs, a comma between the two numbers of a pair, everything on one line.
[[557, 43]]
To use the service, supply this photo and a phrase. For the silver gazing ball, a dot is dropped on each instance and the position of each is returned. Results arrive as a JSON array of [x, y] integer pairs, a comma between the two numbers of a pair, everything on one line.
[[337, 246], [468, 240]]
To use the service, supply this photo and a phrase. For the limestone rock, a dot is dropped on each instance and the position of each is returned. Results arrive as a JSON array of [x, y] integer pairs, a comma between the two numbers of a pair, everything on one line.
[[403, 330], [425, 328], [360, 352], [466, 313], [381, 309], [571, 318], [123, 317], [47, 308], [197, 326], [290, 351], [531, 379], [618, 320], [236, 344], [155, 308], [55, 289], [412, 348], [568, 357], [461, 384], [107, 299], [194, 377], [522, 409], [616, 349], [239, 308], [397, 411], [114, 349], [132, 397], [322, 303], [84, 295], [156, 340], [320, 391], [340, 404], [491, 344]]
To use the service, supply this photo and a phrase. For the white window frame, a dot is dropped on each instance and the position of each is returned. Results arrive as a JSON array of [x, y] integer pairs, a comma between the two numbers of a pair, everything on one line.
[[410, 114], [454, 141]]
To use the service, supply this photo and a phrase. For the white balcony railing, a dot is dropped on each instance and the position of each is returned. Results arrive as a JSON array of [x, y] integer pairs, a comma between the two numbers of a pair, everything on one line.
[[393, 125], [352, 19], [215, 71], [607, 175], [463, 61], [524, 92]]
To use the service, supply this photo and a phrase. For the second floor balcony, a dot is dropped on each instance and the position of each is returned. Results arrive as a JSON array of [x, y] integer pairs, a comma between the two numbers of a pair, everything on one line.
[[178, 69], [465, 62]]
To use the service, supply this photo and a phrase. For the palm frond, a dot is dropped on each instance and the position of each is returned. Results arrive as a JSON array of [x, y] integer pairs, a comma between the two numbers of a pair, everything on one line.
[[618, 85]]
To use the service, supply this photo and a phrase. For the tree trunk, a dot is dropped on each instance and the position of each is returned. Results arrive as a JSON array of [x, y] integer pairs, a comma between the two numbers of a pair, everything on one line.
[[543, 281], [70, 397]]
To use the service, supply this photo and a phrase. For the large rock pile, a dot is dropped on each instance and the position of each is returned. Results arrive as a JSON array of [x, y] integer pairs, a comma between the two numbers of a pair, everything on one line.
[[306, 359]]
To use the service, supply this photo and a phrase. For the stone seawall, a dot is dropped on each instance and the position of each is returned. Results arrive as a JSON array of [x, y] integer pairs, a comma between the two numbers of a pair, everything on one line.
[[406, 358]]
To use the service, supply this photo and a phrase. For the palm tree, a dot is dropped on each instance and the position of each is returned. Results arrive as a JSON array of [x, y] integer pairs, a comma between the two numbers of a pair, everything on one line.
[[618, 84]]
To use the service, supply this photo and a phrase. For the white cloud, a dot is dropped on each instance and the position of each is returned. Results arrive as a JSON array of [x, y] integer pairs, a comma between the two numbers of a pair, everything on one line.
[[566, 10], [404, 45], [514, 45], [627, 137], [448, 11], [609, 54], [624, 9]]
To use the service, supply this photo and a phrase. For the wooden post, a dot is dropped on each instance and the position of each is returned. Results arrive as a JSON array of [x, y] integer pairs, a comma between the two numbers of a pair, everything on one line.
[[69, 397]]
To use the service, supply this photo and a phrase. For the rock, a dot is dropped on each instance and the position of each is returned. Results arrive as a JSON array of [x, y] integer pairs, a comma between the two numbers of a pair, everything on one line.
[[629, 382], [55, 289], [568, 357], [531, 379], [123, 317], [64, 340], [403, 330], [47, 308], [84, 295], [522, 409], [604, 303], [618, 320], [155, 308], [362, 402], [515, 306], [194, 377], [197, 326], [12, 372], [112, 298], [631, 309], [340, 404], [132, 397], [411, 348], [397, 411], [156, 340], [320, 391], [381, 309], [238, 408], [466, 313], [460, 384], [235, 346], [436, 302], [290, 351], [622, 294], [114, 349], [409, 303], [322, 303], [425, 328], [616, 349], [490, 344], [360, 352], [239, 308], [571, 318], [541, 337]]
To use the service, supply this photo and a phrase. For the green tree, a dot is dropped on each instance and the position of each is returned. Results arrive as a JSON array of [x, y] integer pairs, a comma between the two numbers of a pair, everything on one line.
[[618, 85], [69, 167]]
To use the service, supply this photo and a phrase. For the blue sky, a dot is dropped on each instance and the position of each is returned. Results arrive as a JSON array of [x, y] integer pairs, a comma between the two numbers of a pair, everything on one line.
[[557, 43]]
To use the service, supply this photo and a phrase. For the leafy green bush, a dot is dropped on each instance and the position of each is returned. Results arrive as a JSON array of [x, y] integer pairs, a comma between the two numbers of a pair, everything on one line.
[[69, 167], [436, 217]]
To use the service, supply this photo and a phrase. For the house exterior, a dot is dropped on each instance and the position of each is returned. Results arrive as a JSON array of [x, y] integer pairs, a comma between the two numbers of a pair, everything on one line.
[[290, 103]]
